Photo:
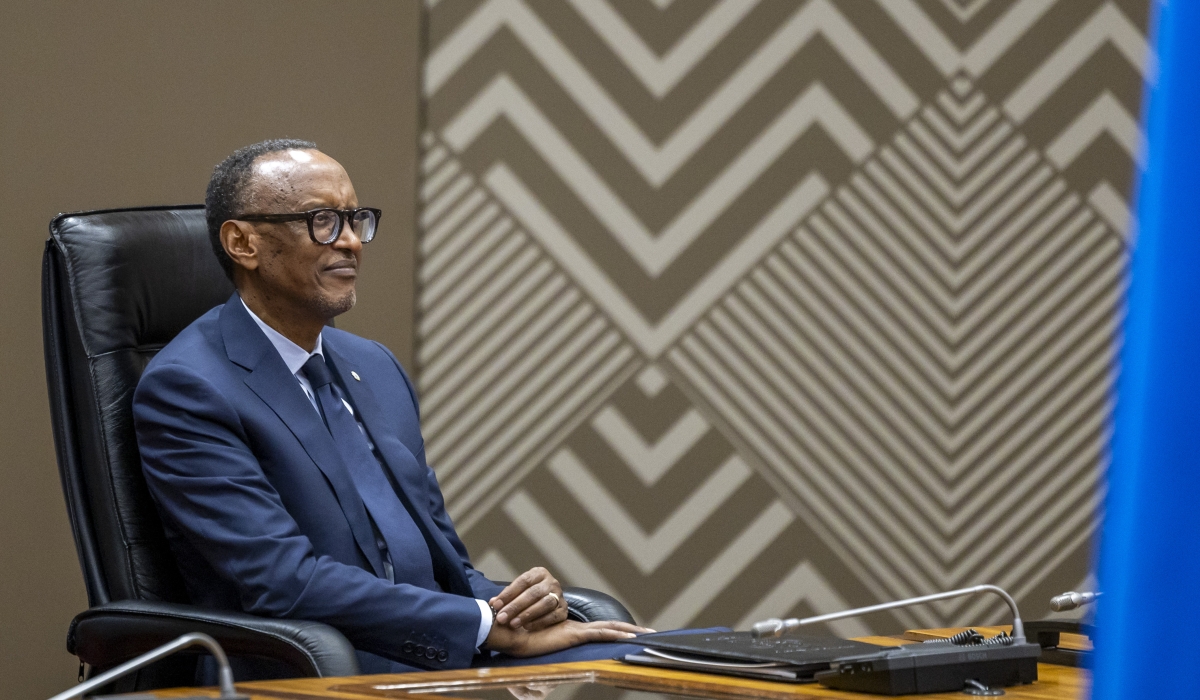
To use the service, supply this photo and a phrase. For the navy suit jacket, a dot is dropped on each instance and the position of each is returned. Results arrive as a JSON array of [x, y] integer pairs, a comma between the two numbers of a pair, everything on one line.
[[259, 507]]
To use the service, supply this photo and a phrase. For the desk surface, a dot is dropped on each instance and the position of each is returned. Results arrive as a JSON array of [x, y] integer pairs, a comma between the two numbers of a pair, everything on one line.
[[606, 680]]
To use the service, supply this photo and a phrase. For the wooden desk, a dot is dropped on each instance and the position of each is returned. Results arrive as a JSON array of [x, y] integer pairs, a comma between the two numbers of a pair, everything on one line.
[[604, 680]]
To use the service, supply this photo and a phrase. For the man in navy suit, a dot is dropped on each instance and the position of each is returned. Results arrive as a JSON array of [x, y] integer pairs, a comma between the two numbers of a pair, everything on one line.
[[286, 456]]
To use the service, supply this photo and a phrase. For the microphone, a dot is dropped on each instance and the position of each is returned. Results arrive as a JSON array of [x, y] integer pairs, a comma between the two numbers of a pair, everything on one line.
[[933, 666], [225, 673], [777, 628], [1071, 600]]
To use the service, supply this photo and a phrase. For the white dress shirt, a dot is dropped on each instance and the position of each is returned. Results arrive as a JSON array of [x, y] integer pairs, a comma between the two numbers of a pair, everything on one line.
[[294, 357]]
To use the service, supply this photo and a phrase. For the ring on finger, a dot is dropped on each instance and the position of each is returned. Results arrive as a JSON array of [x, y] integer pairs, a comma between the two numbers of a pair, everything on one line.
[[557, 600]]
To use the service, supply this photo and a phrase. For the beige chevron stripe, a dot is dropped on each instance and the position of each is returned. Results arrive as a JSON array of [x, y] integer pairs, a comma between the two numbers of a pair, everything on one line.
[[647, 550], [446, 197], [658, 163], [652, 339], [527, 383], [458, 232], [651, 380], [712, 581], [896, 298], [509, 352], [1105, 115], [737, 552], [916, 524], [964, 11], [656, 252], [942, 52], [896, 420], [839, 489], [485, 266], [808, 435], [1009, 572], [930, 454], [804, 584], [735, 405], [649, 462], [660, 75], [948, 293], [978, 355], [958, 164], [522, 444], [1107, 26], [1107, 202], [809, 279], [1081, 275]]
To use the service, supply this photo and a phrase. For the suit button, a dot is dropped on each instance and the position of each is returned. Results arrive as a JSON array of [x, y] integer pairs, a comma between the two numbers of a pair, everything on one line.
[[420, 649], [443, 656], [431, 653], [408, 647]]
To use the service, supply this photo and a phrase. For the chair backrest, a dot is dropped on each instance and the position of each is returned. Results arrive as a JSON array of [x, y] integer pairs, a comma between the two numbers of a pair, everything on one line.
[[117, 285]]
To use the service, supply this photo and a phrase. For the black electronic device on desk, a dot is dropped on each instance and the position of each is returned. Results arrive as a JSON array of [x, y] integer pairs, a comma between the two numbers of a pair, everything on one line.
[[795, 658], [966, 662]]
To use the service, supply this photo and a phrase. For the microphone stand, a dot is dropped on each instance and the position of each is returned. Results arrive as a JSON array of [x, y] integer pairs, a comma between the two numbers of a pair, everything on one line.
[[224, 672], [973, 666], [777, 628]]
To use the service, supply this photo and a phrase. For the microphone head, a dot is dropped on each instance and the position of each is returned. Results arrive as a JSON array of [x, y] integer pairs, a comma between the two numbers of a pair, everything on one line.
[[1071, 600], [767, 628]]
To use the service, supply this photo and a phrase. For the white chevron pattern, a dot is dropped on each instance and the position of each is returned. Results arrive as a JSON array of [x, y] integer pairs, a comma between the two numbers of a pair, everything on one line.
[[655, 252], [658, 163], [960, 471], [876, 284], [649, 462], [647, 550], [661, 75], [805, 584], [652, 339], [1105, 115], [510, 352], [1108, 26], [942, 52]]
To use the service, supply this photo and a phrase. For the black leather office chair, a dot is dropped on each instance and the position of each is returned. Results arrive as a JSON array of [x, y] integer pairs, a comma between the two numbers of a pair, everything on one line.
[[117, 285]]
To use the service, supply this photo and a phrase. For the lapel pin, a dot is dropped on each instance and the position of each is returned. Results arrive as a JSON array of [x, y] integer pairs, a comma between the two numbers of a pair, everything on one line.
[[355, 375]]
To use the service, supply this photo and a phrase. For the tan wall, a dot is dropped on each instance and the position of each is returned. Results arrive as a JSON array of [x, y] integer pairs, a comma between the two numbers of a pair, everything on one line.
[[110, 104]]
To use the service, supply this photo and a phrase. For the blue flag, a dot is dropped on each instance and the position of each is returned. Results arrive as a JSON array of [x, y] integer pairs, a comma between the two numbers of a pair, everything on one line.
[[1149, 564]]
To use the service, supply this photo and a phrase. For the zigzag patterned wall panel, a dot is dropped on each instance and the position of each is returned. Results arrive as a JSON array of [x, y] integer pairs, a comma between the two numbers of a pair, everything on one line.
[[741, 308]]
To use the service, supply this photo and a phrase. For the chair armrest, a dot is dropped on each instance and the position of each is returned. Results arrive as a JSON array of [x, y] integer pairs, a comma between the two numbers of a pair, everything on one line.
[[113, 633], [586, 605]]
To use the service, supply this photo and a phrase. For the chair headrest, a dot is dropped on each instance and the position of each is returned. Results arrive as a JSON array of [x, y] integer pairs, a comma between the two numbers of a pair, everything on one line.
[[139, 276]]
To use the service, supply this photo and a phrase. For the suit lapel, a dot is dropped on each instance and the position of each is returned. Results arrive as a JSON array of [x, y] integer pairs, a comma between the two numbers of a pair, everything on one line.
[[397, 457], [270, 379]]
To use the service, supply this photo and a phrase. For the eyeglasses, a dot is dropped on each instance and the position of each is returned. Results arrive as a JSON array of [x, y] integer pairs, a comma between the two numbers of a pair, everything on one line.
[[325, 225]]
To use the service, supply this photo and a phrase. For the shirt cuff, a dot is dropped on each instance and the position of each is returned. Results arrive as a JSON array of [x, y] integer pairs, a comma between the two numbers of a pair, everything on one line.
[[485, 623]]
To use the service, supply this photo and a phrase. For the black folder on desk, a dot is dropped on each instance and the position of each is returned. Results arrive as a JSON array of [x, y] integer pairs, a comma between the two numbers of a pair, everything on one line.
[[790, 658]]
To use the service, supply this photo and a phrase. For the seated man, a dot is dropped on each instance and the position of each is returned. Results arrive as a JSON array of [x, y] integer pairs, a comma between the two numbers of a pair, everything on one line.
[[286, 457]]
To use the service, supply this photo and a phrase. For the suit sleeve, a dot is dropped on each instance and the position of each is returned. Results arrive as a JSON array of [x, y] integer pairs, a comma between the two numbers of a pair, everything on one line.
[[210, 488], [484, 588]]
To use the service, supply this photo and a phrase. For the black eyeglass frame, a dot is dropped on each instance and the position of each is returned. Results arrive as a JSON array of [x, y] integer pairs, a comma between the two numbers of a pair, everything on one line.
[[344, 216]]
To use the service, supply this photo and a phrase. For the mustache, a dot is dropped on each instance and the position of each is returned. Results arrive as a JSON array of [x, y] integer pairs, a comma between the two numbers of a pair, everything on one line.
[[349, 261]]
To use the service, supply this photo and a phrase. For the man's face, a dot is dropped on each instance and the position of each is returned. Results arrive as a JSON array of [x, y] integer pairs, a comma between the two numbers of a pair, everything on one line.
[[298, 276]]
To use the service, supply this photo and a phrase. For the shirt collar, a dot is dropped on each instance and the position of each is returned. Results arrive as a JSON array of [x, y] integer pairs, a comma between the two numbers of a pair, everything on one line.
[[293, 355]]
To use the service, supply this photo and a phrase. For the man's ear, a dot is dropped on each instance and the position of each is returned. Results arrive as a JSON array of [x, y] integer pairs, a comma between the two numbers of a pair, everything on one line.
[[240, 241]]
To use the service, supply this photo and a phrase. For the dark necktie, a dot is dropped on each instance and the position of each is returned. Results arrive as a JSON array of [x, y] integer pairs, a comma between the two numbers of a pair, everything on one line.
[[405, 539]]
